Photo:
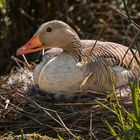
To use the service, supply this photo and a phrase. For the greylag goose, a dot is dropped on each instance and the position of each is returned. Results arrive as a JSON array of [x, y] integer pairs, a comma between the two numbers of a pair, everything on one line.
[[74, 68]]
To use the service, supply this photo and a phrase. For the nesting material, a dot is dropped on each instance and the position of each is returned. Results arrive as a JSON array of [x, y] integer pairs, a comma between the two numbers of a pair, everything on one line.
[[11, 86], [23, 106]]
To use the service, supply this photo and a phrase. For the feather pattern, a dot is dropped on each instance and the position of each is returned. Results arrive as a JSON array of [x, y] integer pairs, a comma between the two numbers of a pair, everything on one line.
[[106, 66], [76, 67]]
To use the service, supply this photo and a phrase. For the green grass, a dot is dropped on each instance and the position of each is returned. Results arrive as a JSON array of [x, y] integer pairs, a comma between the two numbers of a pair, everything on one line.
[[127, 125]]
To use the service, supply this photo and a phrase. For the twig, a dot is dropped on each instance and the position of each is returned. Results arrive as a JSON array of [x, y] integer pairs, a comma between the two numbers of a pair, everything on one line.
[[15, 59], [65, 125], [131, 23], [91, 123], [26, 113], [91, 126], [124, 16], [18, 61], [129, 49], [26, 61], [74, 104], [129, 19], [46, 111]]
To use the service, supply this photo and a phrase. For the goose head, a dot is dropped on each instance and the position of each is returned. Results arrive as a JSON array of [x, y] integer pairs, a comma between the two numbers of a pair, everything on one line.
[[52, 34]]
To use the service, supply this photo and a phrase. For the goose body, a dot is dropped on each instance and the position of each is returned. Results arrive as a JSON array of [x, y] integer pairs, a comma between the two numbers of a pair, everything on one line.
[[60, 74], [73, 69]]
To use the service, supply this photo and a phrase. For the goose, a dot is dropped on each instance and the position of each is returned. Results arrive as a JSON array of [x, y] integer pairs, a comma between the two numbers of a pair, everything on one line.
[[74, 66]]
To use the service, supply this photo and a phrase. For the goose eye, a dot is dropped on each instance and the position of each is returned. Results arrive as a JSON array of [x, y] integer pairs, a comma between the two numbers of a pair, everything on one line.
[[49, 29]]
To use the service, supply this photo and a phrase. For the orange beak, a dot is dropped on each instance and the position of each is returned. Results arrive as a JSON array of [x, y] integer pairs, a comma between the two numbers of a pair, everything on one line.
[[33, 45]]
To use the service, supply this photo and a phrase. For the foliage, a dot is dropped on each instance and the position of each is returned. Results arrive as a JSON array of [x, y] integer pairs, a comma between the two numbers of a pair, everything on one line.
[[127, 125]]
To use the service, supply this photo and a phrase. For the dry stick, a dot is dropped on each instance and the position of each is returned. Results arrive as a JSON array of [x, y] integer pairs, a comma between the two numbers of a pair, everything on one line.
[[128, 49], [26, 113], [12, 57], [35, 103], [135, 25], [49, 114], [91, 126], [129, 19], [18, 61], [74, 104], [133, 58], [83, 115], [93, 135], [65, 125], [124, 16], [26, 60], [91, 121]]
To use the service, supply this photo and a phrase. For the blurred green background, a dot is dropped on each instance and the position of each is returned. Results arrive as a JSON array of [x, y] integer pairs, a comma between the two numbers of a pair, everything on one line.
[[19, 20]]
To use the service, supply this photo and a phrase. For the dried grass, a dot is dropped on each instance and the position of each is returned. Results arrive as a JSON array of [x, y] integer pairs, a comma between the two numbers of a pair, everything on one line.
[[33, 111]]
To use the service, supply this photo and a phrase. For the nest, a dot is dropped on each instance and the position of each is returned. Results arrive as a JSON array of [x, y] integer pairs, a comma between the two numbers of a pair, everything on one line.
[[24, 107]]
